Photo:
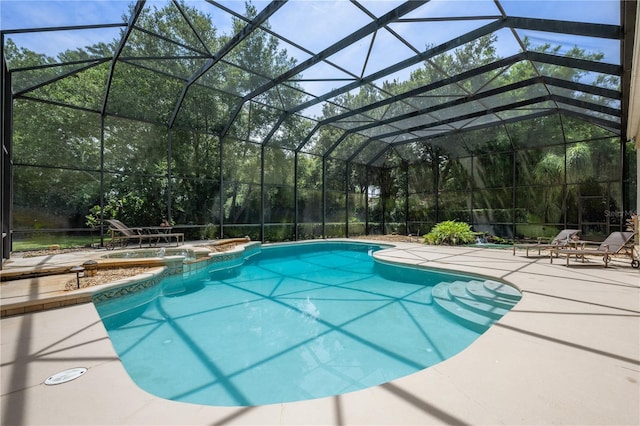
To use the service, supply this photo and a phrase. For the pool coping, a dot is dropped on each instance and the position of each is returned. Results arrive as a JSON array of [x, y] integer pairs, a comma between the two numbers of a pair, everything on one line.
[[159, 266], [566, 354]]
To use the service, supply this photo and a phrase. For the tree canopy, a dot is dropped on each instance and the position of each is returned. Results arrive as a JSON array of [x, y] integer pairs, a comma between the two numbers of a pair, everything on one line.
[[157, 143]]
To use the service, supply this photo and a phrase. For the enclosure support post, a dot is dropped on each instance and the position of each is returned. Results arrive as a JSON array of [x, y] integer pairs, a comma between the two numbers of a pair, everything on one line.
[[436, 183], [405, 166], [169, 176], [565, 192], [366, 202], [624, 171], [295, 196], [324, 196], [383, 199], [6, 160], [472, 185], [221, 186], [262, 193], [514, 168], [346, 204], [514, 198], [101, 180]]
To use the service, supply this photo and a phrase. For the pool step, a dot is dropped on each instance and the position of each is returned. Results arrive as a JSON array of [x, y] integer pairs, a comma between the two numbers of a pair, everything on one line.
[[479, 291], [469, 319], [502, 290], [475, 304], [460, 295]]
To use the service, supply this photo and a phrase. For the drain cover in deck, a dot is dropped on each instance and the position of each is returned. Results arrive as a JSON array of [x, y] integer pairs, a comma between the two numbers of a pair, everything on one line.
[[65, 376]]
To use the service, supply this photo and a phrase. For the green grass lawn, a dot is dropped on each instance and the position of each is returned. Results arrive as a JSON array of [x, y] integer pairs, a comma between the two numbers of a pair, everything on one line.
[[42, 242]]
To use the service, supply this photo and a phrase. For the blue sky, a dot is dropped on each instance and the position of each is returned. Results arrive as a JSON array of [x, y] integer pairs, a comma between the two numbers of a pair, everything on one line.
[[320, 22], [39, 13], [316, 24]]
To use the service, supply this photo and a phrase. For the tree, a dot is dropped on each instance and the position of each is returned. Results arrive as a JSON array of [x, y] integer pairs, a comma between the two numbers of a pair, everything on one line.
[[163, 135]]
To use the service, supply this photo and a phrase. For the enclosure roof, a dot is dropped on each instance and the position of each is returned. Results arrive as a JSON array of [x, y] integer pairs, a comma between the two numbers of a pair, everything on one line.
[[351, 79]]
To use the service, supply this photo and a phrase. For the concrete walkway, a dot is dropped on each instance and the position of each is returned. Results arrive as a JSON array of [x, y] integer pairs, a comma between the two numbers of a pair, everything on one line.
[[49, 291], [568, 353]]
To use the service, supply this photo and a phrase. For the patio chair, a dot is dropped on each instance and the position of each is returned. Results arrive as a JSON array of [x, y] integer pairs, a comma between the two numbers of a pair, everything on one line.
[[617, 243], [559, 240], [122, 234]]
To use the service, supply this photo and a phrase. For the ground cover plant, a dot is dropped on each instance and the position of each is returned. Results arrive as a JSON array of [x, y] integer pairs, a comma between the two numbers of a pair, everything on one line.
[[450, 232]]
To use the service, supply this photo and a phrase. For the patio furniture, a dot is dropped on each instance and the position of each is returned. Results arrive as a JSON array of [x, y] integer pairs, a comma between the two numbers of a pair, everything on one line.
[[122, 234], [559, 240], [616, 244]]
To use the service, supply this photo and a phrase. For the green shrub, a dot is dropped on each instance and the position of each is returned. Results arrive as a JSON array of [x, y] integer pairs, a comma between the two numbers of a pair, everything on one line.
[[450, 232]]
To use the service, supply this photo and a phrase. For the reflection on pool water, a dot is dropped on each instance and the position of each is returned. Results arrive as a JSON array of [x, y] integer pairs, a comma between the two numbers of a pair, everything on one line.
[[291, 322]]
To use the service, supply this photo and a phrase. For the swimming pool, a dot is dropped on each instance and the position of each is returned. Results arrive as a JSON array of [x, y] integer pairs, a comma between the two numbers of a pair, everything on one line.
[[290, 322]]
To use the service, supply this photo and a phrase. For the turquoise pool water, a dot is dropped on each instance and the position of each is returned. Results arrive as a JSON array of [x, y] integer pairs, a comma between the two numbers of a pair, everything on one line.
[[291, 322]]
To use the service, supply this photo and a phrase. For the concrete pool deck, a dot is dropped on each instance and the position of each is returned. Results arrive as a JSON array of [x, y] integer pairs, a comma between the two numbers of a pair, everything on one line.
[[568, 353]]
